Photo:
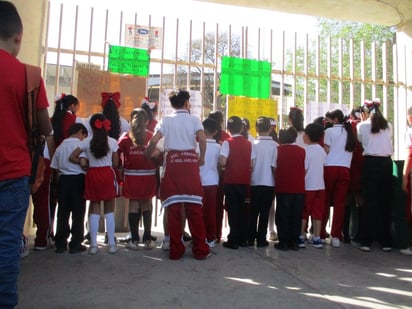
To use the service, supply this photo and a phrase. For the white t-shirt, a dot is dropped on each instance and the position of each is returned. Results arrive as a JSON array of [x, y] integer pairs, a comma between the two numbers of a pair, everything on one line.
[[314, 162], [335, 138], [61, 161], [104, 161], [179, 130], [266, 153], [209, 173], [376, 144]]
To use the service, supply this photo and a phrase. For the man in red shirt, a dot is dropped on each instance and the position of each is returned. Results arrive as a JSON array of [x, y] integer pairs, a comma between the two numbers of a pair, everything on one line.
[[15, 162]]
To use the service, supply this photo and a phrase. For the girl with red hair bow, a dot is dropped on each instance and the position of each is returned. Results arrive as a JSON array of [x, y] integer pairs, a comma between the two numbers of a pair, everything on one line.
[[98, 155]]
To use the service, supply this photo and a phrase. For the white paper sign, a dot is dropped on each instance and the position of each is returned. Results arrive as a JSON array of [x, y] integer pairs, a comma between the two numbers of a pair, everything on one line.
[[143, 37]]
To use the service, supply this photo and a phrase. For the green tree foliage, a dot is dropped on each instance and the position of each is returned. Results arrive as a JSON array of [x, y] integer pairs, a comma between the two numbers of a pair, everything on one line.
[[338, 35], [205, 51]]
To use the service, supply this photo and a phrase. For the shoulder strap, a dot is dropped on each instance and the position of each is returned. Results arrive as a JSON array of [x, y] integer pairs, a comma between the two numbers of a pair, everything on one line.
[[33, 77]]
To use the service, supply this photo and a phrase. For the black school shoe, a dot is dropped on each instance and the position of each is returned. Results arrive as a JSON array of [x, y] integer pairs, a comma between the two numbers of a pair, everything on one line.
[[281, 246], [261, 244], [77, 249], [230, 245], [60, 249]]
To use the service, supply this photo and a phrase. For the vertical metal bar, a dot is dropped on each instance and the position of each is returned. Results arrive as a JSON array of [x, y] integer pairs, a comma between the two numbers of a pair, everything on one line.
[[176, 51], [305, 71], [362, 48], [76, 20], [46, 41], [351, 73], [340, 73], [396, 98], [329, 69], [271, 73], [188, 84], [120, 27], [385, 79], [317, 90], [162, 58], [242, 51], [373, 67], [150, 51], [246, 41], [90, 35], [258, 43], [202, 72], [215, 75], [282, 80], [57, 82], [294, 68], [105, 39]]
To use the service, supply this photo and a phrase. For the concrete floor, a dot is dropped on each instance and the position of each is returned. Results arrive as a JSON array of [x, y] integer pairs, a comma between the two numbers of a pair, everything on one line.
[[245, 278]]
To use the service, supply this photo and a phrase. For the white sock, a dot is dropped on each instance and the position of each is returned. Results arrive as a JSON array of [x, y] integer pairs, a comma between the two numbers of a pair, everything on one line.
[[110, 227], [93, 228]]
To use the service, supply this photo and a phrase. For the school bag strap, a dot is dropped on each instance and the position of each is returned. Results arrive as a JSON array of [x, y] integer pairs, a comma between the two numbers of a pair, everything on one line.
[[36, 143], [33, 79]]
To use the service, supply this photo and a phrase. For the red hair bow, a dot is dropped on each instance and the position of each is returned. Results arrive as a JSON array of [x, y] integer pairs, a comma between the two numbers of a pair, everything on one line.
[[105, 124], [115, 96]]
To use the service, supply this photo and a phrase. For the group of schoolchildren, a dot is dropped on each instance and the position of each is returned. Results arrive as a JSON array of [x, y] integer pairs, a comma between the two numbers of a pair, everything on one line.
[[206, 170]]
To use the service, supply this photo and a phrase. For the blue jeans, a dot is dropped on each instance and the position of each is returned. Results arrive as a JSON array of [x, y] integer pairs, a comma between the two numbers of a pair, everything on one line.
[[14, 200]]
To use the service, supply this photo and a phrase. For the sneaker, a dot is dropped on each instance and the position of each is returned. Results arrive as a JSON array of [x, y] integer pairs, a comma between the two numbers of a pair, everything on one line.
[[315, 242], [365, 248], [112, 249], [386, 249], [93, 250], [406, 251], [335, 242], [132, 245], [301, 242], [211, 243], [149, 244], [273, 236], [166, 244]]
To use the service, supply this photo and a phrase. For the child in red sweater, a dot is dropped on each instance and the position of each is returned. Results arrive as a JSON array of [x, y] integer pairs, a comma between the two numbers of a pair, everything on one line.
[[290, 189], [235, 159]]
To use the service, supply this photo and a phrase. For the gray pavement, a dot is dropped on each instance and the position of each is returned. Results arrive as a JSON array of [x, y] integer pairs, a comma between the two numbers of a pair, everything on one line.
[[245, 278]]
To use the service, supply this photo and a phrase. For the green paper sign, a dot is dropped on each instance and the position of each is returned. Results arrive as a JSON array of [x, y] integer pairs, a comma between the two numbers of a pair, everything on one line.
[[128, 60], [246, 77]]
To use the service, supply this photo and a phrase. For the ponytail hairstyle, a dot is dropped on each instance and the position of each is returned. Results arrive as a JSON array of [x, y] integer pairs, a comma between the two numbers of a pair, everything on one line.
[[99, 145], [178, 99], [351, 139], [378, 121], [296, 118], [110, 104], [138, 119], [63, 102]]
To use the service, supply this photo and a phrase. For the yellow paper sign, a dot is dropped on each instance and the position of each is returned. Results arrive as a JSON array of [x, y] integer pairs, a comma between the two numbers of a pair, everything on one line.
[[252, 109]]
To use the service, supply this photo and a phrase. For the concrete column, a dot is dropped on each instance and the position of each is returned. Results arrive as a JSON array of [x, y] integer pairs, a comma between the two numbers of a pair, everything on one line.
[[34, 18], [403, 95]]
